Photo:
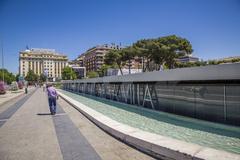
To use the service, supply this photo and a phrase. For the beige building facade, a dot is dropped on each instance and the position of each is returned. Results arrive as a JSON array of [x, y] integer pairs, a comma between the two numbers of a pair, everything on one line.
[[42, 61]]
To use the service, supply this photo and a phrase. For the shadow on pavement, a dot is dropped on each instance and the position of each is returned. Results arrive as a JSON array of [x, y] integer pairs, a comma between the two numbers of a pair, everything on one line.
[[43, 114]]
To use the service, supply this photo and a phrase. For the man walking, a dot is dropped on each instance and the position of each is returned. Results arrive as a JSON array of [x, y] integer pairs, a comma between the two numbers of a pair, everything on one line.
[[52, 96]]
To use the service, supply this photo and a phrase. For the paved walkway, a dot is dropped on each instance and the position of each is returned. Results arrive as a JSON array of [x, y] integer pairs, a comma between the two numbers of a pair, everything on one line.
[[28, 131], [10, 95]]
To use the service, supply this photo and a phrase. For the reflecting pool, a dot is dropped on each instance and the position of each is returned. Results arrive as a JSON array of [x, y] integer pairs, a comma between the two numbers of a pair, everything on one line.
[[214, 135]]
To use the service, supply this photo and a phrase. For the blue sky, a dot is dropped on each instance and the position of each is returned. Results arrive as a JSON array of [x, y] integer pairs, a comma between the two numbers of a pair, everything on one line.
[[73, 26]]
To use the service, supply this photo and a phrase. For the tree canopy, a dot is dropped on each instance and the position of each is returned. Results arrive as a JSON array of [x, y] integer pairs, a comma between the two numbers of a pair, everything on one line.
[[42, 78], [115, 57], [103, 70], [120, 57], [68, 74], [8, 76], [160, 51], [92, 74], [31, 76]]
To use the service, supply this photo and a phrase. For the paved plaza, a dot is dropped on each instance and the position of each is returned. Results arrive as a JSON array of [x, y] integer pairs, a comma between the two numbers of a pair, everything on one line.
[[28, 131], [4, 98]]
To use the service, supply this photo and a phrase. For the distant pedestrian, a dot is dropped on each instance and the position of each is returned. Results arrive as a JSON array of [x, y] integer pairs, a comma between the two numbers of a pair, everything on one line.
[[52, 97], [161, 68], [44, 87], [26, 89]]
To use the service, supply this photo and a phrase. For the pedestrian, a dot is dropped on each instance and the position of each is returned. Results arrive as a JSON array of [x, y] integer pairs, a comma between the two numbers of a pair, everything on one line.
[[161, 68], [52, 97], [26, 89], [44, 87]]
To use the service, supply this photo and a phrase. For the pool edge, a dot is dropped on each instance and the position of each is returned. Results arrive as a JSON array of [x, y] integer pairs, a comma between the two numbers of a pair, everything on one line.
[[150, 143]]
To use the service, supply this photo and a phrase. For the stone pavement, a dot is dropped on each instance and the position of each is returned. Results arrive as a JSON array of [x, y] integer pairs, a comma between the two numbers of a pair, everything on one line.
[[6, 99], [10, 108], [30, 132], [10, 95]]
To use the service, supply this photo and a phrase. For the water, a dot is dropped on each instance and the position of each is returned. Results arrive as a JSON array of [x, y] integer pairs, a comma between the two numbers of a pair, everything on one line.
[[218, 136]]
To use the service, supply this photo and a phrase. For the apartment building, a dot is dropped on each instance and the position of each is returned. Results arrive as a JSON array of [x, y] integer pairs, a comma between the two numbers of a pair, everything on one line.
[[39, 60], [93, 58], [78, 67]]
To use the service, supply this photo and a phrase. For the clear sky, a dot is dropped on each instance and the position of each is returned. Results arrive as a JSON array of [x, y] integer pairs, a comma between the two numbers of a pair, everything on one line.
[[73, 26]]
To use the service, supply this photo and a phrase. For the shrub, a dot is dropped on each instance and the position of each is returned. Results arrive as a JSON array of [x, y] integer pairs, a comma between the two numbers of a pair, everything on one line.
[[14, 86], [2, 88], [20, 84], [57, 85], [235, 60], [92, 74]]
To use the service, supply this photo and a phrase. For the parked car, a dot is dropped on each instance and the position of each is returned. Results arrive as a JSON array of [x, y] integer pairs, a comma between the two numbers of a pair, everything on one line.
[[2, 88]]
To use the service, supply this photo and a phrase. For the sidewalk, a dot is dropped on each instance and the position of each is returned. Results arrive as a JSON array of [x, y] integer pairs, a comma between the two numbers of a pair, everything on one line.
[[31, 133], [10, 95], [29, 136], [4, 98]]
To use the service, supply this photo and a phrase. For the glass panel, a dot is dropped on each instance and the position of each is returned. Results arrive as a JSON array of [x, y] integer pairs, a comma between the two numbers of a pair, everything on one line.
[[141, 92], [203, 101], [108, 90], [165, 93], [210, 102], [184, 100], [233, 104]]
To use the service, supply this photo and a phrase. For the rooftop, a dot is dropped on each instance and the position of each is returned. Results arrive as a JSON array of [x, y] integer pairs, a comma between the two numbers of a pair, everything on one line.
[[42, 51]]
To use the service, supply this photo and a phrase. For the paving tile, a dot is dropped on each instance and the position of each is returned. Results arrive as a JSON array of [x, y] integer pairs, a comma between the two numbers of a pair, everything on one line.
[[27, 135], [72, 143]]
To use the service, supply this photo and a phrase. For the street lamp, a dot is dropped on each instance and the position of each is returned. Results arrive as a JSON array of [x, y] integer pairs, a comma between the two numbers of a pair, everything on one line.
[[2, 64]]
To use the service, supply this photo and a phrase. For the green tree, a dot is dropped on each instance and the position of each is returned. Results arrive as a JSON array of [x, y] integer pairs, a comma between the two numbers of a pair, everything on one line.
[[163, 50], [213, 62], [142, 50], [92, 74], [170, 48], [103, 70], [120, 57], [115, 57], [234, 60], [128, 54], [155, 52], [31, 77], [8, 76], [43, 78], [17, 77], [68, 74]]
